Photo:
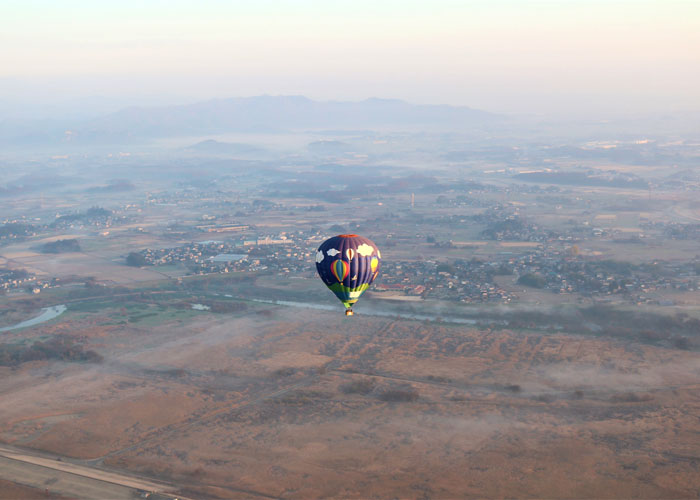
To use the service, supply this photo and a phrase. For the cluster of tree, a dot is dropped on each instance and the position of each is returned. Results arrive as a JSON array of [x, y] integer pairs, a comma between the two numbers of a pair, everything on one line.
[[61, 246], [444, 267], [362, 386], [631, 397], [401, 394], [680, 331], [512, 228], [97, 212], [136, 259], [508, 224], [302, 398], [683, 231], [57, 348], [13, 274], [261, 204], [93, 214], [533, 280], [284, 372], [15, 229], [610, 266]]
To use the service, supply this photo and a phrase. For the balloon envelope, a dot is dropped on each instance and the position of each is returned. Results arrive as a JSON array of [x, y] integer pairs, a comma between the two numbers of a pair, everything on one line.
[[348, 264]]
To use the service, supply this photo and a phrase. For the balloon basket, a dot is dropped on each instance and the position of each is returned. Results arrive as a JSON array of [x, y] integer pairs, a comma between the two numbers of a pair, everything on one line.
[[348, 312]]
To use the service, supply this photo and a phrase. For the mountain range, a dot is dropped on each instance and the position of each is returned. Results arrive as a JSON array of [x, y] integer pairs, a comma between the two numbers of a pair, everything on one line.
[[265, 114]]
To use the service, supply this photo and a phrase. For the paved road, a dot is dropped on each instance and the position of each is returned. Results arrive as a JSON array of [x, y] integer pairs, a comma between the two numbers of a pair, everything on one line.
[[71, 479]]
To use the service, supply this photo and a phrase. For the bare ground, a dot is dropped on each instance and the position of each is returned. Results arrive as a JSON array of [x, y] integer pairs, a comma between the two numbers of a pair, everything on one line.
[[309, 404]]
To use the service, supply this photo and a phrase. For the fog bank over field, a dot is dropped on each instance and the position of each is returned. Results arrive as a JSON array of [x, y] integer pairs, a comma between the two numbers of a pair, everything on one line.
[[622, 376]]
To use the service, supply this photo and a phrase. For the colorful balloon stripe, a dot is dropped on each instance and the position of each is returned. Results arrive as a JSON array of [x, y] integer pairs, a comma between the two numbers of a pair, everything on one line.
[[340, 270]]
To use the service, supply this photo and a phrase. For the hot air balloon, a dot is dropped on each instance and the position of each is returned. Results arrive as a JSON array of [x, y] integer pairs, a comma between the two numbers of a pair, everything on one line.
[[348, 264]]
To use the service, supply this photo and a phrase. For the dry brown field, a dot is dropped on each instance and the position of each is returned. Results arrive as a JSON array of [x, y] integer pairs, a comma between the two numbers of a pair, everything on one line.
[[10, 490], [298, 403], [105, 263]]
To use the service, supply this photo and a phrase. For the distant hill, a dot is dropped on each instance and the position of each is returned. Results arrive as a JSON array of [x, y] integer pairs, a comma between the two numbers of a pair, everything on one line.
[[603, 179], [212, 147], [273, 114], [261, 114], [328, 147], [116, 186]]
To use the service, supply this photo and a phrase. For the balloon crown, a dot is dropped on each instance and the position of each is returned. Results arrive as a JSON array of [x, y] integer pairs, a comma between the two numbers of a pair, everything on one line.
[[347, 236]]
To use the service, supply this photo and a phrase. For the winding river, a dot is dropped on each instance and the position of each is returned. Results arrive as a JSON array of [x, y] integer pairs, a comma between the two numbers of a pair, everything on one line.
[[46, 314]]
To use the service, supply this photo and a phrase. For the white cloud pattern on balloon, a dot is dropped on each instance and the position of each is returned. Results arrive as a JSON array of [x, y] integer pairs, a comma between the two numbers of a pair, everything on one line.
[[332, 252], [319, 256], [365, 250]]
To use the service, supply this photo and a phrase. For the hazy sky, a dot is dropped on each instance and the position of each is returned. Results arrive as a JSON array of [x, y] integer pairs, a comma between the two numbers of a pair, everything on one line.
[[532, 56]]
